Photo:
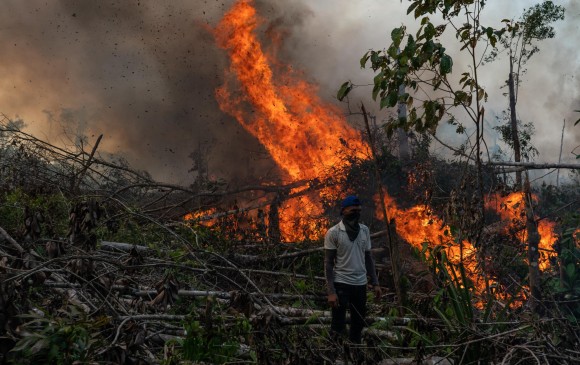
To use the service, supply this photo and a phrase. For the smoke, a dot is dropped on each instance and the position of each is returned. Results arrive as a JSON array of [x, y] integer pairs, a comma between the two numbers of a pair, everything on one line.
[[550, 89], [143, 73], [330, 45]]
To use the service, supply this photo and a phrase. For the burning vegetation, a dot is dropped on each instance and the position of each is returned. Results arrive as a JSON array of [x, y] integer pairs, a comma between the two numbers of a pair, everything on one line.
[[100, 263]]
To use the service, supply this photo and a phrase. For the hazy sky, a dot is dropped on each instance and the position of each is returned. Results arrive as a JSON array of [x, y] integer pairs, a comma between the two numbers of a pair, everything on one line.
[[143, 73]]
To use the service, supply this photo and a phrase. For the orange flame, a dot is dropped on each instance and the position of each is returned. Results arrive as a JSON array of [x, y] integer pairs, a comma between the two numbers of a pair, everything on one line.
[[304, 135], [511, 208], [204, 217], [301, 132], [419, 225]]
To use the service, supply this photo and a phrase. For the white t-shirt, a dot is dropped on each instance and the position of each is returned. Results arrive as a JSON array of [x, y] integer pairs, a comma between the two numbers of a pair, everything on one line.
[[350, 255]]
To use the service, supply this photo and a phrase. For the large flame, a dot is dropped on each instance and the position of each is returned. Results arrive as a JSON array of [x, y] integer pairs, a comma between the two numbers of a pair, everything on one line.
[[304, 135]]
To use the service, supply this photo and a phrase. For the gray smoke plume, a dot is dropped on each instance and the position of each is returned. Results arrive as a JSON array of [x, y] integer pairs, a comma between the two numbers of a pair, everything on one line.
[[144, 73]]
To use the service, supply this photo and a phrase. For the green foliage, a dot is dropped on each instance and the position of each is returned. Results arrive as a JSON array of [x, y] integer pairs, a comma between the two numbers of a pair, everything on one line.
[[454, 304], [218, 343], [566, 286], [302, 286], [53, 208], [414, 61], [522, 36], [525, 133], [60, 340], [12, 210], [345, 88]]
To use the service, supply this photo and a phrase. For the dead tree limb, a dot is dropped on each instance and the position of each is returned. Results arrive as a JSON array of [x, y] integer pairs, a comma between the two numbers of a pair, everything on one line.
[[81, 173], [11, 240], [535, 166]]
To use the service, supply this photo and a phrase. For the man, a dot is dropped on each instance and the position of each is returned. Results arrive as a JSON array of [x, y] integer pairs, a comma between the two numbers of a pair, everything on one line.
[[348, 261]]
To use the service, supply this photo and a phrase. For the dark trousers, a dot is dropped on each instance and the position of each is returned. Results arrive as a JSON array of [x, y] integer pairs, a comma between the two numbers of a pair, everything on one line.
[[353, 297]]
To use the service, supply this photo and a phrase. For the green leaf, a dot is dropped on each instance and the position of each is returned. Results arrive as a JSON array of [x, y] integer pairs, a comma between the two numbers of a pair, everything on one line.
[[430, 31], [446, 64], [480, 94], [428, 48], [376, 90], [364, 59], [384, 101], [374, 58], [393, 51], [489, 32], [379, 77], [570, 270], [412, 7], [393, 98], [397, 35], [411, 46], [345, 88]]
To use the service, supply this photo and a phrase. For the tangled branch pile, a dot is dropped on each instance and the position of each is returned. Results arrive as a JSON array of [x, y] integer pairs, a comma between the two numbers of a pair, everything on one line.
[[98, 266]]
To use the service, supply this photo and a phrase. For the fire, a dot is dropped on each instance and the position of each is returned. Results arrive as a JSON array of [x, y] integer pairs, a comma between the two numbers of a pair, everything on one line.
[[304, 135], [205, 217], [307, 138], [418, 225], [511, 208], [301, 132]]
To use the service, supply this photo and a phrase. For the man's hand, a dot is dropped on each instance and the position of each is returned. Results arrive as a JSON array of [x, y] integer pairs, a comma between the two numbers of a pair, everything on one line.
[[333, 300], [378, 292]]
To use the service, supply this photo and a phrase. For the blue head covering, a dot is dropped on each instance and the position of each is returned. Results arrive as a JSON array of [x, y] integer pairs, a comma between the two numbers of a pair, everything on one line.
[[349, 201]]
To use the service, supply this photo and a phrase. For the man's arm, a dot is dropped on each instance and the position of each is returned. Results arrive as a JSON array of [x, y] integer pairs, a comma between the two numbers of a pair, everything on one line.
[[370, 266], [329, 259]]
